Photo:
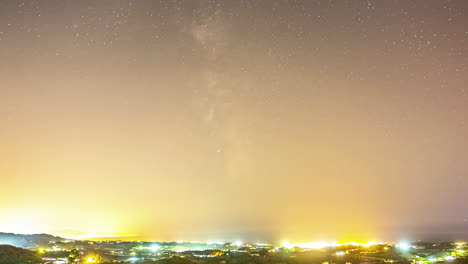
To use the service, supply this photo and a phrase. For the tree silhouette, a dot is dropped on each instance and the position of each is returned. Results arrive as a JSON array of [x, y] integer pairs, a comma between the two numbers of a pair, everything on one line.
[[73, 256]]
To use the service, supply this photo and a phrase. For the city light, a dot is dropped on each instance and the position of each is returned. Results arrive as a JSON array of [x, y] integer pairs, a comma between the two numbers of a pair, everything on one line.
[[321, 244], [460, 244], [286, 244], [368, 244], [155, 248], [139, 251], [133, 260], [405, 246], [238, 243]]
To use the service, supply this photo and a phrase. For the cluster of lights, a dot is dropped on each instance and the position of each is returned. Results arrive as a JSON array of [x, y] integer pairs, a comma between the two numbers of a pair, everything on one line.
[[91, 260], [461, 244], [404, 246], [458, 251], [238, 243], [54, 249], [133, 259], [152, 248], [320, 245], [433, 259]]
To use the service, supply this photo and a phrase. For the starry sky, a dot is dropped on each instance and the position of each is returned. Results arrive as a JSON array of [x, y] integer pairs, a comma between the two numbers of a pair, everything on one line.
[[259, 120]]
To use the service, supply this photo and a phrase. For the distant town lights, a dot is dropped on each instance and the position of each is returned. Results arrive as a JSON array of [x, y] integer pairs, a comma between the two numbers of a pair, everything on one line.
[[238, 243], [403, 246], [155, 248], [460, 244], [321, 245], [286, 244]]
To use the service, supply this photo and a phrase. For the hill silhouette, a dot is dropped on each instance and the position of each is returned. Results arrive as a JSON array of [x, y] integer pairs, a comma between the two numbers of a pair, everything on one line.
[[20, 240], [13, 255]]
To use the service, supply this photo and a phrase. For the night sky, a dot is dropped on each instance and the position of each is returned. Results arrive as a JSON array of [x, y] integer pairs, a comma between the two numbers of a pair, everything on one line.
[[235, 119]]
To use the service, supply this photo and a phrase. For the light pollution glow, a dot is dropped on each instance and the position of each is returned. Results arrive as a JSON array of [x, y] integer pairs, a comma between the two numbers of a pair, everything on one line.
[[230, 120]]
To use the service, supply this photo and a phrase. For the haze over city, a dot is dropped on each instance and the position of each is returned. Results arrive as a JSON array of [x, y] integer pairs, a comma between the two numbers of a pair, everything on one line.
[[221, 120]]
